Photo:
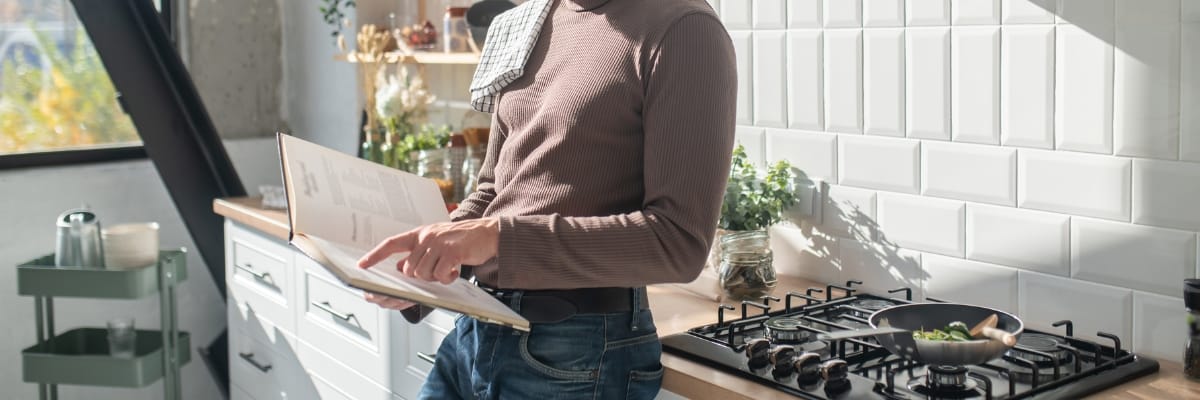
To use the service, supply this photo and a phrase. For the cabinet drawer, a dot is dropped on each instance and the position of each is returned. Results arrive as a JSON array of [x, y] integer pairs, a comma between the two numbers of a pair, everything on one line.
[[335, 380], [237, 393], [267, 371], [424, 340], [258, 276], [341, 322]]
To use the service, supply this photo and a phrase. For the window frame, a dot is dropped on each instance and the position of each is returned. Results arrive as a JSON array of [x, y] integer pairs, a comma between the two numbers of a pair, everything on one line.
[[98, 153]]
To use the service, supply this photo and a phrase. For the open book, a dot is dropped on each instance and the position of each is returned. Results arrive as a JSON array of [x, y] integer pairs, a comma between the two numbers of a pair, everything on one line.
[[340, 207]]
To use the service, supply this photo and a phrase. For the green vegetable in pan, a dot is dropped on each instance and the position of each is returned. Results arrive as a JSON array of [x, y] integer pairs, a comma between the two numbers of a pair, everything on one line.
[[954, 332]]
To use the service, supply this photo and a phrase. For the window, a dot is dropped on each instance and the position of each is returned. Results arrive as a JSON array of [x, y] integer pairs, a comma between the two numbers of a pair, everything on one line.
[[56, 99]]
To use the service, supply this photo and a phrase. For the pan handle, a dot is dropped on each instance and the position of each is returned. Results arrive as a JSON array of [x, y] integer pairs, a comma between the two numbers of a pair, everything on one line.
[[839, 335], [1008, 339]]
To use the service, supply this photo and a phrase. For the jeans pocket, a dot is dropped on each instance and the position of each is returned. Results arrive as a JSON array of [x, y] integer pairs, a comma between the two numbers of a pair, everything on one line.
[[644, 385], [559, 359]]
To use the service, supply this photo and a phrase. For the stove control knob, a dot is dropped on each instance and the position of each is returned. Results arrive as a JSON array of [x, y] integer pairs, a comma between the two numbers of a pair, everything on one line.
[[836, 374], [758, 350], [781, 358], [808, 369]]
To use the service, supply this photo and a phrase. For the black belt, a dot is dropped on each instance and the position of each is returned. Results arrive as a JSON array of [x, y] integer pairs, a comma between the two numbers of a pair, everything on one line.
[[547, 306]]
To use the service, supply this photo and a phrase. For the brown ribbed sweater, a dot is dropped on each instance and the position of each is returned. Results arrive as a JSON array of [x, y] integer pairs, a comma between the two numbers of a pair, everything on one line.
[[608, 158]]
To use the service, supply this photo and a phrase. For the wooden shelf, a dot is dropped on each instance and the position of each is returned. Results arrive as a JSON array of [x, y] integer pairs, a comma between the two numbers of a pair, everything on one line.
[[420, 57]]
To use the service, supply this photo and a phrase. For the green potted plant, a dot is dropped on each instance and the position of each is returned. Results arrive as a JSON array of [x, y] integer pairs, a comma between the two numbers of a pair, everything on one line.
[[754, 200]]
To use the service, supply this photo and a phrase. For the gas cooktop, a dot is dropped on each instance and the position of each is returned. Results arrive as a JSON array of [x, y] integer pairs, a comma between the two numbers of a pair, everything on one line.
[[775, 344]]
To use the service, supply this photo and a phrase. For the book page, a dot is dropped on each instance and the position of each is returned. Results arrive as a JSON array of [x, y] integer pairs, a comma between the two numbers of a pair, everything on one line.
[[352, 201]]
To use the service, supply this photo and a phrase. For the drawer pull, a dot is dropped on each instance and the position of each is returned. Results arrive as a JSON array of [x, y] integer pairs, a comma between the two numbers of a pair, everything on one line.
[[250, 270], [324, 306], [249, 357], [428, 358]]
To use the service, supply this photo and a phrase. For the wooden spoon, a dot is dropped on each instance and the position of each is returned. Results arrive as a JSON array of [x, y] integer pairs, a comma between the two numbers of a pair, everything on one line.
[[987, 328]]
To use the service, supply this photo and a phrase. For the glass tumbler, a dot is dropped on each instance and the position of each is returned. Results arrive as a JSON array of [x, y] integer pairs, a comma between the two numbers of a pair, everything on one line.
[[121, 337]]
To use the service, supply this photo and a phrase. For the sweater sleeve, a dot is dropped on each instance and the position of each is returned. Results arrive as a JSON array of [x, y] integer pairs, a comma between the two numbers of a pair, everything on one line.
[[477, 202], [688, 122]]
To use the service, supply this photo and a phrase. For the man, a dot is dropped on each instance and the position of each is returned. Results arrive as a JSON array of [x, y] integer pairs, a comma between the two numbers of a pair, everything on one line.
[[605, 172]]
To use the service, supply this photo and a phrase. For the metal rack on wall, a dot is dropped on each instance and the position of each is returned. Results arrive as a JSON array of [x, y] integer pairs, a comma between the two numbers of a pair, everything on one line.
[[81, 356]]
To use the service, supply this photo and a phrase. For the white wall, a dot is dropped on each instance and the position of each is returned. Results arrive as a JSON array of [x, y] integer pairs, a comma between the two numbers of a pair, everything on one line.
[[119, 192], [320, 99], [1038, 156]]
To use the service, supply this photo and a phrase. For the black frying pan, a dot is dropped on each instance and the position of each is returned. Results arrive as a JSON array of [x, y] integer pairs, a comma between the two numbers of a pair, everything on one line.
[[935, 316]]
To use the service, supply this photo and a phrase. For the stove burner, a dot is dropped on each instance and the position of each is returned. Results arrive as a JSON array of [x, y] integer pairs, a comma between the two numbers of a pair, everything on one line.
[[872, 305], [945, 382], [784, 330], [1041, 343]]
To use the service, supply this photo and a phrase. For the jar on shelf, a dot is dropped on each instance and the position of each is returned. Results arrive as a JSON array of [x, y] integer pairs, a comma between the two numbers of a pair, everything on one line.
[[456, 35], [746, 267], [435, 164]]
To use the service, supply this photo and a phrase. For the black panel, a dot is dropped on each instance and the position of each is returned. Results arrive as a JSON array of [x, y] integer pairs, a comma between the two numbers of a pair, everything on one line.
[[159, 96]]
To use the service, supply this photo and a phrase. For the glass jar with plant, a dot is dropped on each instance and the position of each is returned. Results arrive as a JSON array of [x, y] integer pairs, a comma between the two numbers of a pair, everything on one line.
[[753, 202]]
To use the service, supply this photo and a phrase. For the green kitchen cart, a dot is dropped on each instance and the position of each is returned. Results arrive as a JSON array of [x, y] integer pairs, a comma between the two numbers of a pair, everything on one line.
[[81, 356]]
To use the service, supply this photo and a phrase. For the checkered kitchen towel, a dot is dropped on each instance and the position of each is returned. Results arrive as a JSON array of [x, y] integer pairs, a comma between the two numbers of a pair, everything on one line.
[[510, 39]]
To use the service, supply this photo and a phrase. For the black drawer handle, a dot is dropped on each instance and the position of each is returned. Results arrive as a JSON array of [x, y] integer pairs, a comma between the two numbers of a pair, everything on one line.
[[428, 358], [250, 270], [249, 357], [326, 307]]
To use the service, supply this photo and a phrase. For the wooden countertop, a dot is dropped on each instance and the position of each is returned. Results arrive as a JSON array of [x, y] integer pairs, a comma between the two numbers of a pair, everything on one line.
[[676, 311]]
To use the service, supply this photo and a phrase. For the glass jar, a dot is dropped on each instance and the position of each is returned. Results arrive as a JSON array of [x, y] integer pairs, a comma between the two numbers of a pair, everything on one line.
[[746, 267], [1191, 353], [456, 35], [372, 145], [434, 164]]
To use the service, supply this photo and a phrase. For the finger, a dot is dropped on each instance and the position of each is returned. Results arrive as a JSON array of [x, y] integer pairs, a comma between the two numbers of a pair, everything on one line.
[[397, 304], [446, 270], [427, 263], [395, 244], [420, 249]]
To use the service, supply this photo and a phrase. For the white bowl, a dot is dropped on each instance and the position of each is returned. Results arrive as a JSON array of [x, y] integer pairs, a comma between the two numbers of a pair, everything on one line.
[[128, 246]]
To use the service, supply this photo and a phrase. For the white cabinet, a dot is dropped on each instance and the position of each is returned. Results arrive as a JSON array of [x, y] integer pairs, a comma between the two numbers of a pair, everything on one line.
[[297, 333]]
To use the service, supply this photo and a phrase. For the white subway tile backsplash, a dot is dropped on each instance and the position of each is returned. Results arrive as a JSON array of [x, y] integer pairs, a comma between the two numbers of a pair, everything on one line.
[[927, 83], [803, 13], [1133, 256], [969, 172], [879, 163], [1146, 88], [927, 12], [737, 14], [843, 13], [883, 13], [881, 267], [815, 154], [1074, 183], [1159, 326], [1083, 92], [806, 254], [1189, 95], [850, 213], [805, 82], [883, 82], [975, 84], [769, 14], [1029, 11], [1031, 240], [1086, 13], [1045, 299], [922, 223], [1027, 92], [1166, 193], [742, 47], [770, 98], [970, 282], [843, 80], [753, 139], [975, 12]]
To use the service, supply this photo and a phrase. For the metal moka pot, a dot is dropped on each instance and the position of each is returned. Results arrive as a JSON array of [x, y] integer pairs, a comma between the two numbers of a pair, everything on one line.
[[78, 243]]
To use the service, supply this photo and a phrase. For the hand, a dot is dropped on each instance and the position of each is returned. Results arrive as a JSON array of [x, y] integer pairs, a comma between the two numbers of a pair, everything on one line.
[[388, 301], [438, 251]]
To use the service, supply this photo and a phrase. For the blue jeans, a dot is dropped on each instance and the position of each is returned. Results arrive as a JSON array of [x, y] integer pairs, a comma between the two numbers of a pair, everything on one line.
[[587, 356]]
